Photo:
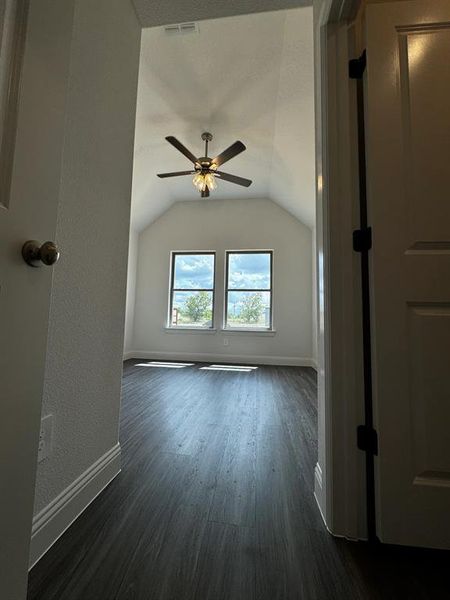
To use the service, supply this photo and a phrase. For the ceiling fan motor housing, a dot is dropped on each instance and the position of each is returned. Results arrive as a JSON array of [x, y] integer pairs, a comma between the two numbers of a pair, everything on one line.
[[204, 164]]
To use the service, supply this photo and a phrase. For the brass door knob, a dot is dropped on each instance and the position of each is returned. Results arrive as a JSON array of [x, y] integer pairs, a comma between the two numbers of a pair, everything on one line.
[[36, 255]]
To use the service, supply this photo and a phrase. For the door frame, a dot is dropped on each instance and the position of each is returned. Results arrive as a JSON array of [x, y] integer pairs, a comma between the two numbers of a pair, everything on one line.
[[340, 471], [339, 481]]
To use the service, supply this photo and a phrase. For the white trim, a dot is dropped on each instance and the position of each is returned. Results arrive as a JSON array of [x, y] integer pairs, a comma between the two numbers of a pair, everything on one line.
[[172, 275], [128, 354], [53, 520], [194, 330], [289, 361], [318, 475], [319, 492], [340, 495], [225, 281], [246, 332], [322, 11]]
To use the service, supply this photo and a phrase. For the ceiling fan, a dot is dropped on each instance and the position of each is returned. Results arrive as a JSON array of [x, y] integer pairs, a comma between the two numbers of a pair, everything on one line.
[[205, 169]]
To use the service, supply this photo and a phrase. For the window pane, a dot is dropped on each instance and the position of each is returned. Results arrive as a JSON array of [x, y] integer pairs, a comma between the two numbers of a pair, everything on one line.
[[249, 271], [194, 271], [192, 309], [248, 309]]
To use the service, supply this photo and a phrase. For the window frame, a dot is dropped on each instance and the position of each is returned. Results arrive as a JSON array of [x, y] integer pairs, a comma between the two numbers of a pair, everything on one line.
[[226, 327], [172, 289]]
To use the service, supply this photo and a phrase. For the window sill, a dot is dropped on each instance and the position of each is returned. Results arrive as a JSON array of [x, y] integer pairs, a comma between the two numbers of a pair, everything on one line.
[[189, 330], [234, 331]]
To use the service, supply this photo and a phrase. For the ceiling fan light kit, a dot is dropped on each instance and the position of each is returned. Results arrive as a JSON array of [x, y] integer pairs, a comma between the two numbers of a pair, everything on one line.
[[205, 169], [202, 182]]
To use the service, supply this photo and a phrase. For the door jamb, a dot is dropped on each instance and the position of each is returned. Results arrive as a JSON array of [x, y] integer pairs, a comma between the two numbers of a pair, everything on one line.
[[339, 474]]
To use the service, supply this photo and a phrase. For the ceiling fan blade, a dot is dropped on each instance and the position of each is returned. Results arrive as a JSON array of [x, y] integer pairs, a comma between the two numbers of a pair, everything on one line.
[[179, 146], [229, 153], [175, 174], [205, 194], [233, 178]]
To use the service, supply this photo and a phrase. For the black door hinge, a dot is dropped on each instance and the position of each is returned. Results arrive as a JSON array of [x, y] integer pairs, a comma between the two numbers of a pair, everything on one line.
[[367, 439], [357, 66], [362, 239]]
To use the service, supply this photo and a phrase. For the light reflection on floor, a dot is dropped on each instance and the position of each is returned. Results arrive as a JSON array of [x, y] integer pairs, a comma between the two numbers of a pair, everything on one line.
[[165, 365], [180, 365], [232, 368]]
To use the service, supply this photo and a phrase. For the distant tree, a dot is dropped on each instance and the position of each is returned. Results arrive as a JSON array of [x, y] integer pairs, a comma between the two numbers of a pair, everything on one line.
[[197, 307], [252, 308]]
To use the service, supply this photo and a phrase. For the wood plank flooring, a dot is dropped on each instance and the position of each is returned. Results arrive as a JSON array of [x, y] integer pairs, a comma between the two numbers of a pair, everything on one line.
[[215, 502]]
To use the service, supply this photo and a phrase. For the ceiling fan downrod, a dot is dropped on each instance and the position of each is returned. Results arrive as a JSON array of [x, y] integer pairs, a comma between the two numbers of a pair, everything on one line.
[[206, 137]]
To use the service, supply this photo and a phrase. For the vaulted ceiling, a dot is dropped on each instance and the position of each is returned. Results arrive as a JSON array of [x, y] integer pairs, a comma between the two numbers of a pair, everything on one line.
[[162, 12], [248, 78]]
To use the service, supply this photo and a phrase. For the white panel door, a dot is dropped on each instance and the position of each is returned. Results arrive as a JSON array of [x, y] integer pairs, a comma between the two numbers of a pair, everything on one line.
[[29, 211], [408, 153]]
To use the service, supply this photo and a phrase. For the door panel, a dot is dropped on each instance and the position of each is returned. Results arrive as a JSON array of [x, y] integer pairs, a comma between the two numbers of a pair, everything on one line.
[[30, 212], [426, 139], [429, 330], [408, 151]]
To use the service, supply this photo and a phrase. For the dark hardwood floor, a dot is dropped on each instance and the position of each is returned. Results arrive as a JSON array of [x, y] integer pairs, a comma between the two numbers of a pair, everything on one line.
[[215, 502]]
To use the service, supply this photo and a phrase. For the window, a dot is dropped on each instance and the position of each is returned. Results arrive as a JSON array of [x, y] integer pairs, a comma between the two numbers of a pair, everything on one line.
[[192, 290], [248, 301]]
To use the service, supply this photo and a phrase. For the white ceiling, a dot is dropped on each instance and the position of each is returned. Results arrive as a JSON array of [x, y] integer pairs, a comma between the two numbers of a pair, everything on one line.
[[248, 78]]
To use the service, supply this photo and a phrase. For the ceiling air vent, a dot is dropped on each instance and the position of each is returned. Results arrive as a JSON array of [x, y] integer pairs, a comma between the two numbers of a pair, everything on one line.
[[181, 28]]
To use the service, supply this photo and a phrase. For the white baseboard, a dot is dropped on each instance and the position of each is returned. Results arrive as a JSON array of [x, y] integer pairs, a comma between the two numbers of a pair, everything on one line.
[[318, 476], [52, 521], [294, 361], [128, 354], [319, 491]]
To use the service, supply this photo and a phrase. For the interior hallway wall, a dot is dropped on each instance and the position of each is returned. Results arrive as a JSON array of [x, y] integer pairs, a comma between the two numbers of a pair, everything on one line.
[[221, 225], [85, 344]]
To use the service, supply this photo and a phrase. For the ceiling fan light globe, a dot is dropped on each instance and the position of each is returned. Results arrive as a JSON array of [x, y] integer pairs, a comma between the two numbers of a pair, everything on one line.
[[204, 181], [210, 181], [199, 182]]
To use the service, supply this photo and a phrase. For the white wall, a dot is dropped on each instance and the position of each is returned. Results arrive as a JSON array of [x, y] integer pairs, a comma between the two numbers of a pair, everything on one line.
[[220, 225], [131, 290], [85, 347]]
